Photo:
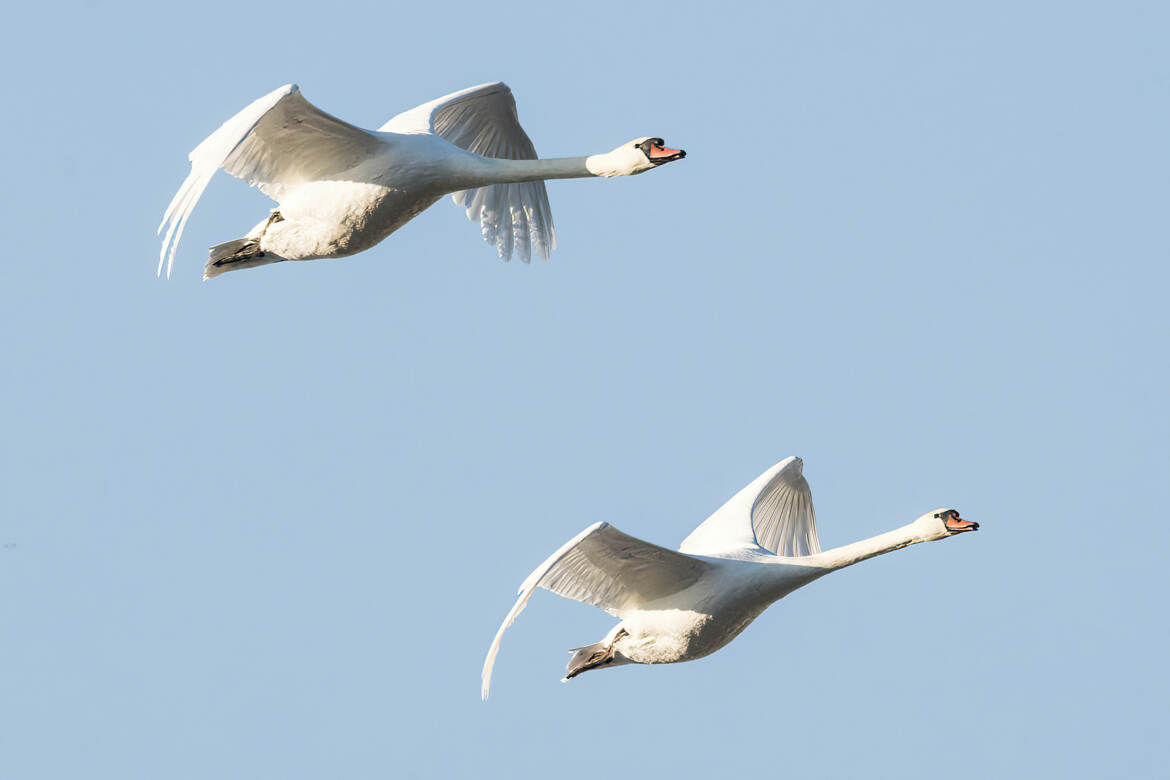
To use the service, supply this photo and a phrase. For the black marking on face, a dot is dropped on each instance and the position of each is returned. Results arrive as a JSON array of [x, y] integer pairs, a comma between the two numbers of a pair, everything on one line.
[[954, 523], [651, 145], [648, 143]]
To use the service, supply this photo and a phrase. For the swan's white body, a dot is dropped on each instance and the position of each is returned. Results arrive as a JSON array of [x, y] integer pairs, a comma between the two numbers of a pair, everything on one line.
[[342, 189], [678, 606]]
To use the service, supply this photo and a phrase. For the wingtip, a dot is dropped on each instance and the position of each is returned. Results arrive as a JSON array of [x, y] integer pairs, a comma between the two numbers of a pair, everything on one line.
[[485, 685], [792, 461]]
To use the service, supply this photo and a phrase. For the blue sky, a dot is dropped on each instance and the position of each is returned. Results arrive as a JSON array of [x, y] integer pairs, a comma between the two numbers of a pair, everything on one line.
[[265, 526]]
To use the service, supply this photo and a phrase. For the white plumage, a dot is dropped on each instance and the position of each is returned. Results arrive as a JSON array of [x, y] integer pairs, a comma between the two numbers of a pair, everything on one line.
[[775, 512], [342, 189], [678, 606]]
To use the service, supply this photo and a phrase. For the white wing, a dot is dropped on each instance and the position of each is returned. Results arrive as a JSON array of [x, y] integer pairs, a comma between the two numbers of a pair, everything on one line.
[[483, 121], [279, 140], [609, 569], [775, 511]]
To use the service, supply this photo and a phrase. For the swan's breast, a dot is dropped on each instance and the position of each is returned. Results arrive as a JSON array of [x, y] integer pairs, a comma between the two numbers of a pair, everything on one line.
[[705, 617], [673, 635], [662, 636], [339, 218]]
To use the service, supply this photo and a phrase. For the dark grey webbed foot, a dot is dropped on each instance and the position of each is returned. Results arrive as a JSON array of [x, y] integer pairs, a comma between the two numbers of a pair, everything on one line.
[[248, 251]]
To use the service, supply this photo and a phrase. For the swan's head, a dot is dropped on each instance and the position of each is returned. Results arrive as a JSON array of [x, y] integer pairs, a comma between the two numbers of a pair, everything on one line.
[[636, 156], [941, 523]]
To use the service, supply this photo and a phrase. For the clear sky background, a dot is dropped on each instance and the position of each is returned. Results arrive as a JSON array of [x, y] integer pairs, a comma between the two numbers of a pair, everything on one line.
[[265, 526]]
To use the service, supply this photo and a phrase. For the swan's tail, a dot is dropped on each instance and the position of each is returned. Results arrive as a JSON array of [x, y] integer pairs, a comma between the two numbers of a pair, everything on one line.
[[237, 254]]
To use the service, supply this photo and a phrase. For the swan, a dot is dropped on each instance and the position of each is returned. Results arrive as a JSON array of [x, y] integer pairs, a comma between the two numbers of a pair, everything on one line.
[[341, 189], [679, 606]]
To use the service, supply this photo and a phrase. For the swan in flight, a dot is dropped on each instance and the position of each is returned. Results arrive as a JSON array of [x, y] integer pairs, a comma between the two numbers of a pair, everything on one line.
[[678, 606], [342, 189]]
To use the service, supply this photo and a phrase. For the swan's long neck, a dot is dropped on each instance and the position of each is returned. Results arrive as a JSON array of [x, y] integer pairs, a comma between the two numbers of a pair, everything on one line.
[[788, 574], [840, 557], [489, 170]]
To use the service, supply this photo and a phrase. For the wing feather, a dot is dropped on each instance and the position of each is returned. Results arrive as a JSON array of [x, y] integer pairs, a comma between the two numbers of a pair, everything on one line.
[[783, 516], [278, 140], [514, 217], [774, 512], [606, 568]]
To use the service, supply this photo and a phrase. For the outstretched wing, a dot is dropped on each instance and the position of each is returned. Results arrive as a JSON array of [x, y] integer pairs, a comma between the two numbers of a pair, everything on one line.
[[609, 569], [279, 140], [775, 511], [482, 120]]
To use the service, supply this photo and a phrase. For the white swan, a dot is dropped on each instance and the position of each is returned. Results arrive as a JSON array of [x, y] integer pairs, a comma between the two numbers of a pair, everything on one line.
[[678, 606], [342, 189]]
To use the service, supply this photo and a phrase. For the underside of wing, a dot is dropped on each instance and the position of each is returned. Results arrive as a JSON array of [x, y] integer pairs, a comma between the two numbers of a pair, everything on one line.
[[279, 140], [616, 571], [774, 512], [514, 217], [609, 569], [783, 515]]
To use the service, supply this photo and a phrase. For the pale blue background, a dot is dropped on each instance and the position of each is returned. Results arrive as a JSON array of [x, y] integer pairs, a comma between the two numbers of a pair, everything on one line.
[[265, 527]]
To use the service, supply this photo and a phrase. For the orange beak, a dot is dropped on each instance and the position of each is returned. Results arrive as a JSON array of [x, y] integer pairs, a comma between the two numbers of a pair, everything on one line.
[[661, 154], [955, 525]]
